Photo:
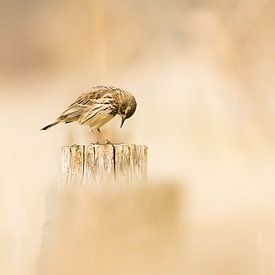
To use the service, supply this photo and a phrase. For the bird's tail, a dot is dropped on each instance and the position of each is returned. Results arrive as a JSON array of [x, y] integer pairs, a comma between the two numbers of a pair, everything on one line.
[[50, 125]]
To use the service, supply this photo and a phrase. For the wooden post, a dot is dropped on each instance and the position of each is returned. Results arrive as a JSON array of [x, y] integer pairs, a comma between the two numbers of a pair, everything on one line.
[[114, 231], [93, 164]]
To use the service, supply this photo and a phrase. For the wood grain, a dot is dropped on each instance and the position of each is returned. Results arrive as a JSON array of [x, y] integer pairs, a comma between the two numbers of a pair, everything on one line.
[[93, 164]]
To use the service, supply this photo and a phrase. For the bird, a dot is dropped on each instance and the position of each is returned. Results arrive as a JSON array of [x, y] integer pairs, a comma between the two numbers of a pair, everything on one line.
[[98, 106]]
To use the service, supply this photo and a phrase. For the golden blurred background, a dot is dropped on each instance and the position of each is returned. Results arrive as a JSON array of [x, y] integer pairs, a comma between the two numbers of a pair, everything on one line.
[[203, 76]]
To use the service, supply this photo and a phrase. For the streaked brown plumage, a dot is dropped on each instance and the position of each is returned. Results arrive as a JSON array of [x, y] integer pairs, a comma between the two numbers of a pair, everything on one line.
[[98, 106]]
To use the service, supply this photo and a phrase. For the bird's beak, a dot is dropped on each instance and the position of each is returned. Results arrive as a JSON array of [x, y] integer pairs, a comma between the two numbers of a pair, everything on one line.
[[122, 121]]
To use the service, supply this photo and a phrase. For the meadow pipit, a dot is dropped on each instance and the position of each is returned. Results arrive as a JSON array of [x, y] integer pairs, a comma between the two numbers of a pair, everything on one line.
[[98, 106]]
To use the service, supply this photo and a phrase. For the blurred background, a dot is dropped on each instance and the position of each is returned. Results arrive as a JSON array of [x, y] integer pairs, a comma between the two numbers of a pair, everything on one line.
[[203, 76]]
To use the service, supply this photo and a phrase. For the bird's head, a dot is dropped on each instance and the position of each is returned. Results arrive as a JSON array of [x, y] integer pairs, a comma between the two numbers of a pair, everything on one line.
[[127, 108]]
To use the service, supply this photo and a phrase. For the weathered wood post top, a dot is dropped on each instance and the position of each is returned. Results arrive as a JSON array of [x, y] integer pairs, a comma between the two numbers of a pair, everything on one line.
[[88, 165]]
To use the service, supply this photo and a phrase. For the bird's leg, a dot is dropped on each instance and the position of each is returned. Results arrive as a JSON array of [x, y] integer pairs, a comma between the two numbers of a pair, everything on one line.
[[92, 131], [107, 141]]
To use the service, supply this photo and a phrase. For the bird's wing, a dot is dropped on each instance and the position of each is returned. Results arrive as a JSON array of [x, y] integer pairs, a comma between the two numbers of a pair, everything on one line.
[[82, 105], [96, 110], [88, 105]]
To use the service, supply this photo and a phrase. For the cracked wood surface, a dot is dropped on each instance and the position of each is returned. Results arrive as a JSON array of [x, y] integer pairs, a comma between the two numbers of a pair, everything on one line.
[[93, 164]]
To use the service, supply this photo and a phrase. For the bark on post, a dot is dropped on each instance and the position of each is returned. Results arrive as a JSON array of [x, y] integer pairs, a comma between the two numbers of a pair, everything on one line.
[[90, 165]]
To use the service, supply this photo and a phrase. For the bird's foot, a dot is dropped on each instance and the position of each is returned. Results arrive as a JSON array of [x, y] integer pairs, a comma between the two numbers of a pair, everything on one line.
[[108, 142], [111, 143]]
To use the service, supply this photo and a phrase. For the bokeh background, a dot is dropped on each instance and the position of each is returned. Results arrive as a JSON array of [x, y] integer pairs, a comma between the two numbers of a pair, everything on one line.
[[203, 76]]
